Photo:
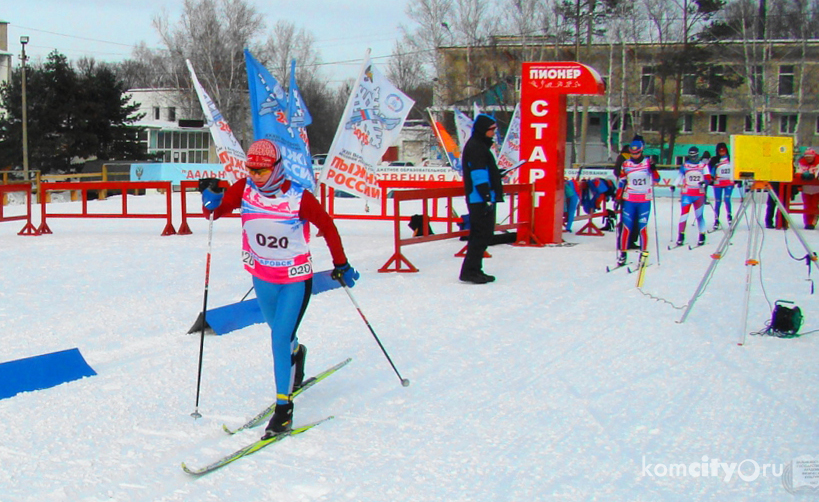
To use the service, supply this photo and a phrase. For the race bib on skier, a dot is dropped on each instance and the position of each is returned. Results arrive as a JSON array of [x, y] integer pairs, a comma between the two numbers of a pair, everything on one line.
[[274, 240]]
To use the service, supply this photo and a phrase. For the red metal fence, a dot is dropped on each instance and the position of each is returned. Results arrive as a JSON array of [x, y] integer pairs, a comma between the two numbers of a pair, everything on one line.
[[28, 228], [519, 219], [124, 186]]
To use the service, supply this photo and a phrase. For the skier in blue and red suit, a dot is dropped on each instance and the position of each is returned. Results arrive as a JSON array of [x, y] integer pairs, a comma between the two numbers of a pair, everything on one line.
[[722, 173], [636, 177], [276, 217], [694, 177]]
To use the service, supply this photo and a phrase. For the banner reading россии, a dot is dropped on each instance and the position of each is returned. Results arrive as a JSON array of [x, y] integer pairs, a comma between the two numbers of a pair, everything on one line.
[[372, 120]]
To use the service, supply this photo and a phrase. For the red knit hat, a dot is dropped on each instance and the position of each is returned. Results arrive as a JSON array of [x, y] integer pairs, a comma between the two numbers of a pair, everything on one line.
[[263, 154]]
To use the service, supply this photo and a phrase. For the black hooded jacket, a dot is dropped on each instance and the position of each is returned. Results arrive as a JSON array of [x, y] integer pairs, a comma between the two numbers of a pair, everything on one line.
[[481, 175]]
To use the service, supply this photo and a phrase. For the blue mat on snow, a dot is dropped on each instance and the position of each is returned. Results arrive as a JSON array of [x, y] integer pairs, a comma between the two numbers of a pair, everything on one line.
[[42, 372], [240, 315]]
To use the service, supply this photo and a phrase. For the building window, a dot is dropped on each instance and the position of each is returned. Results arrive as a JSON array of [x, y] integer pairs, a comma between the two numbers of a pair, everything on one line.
[[749, 123], [615, 122], [180, 146], [787, 124], [719, 123], [171, 114], [689, 84], [647, 80], [786, 76], [757, 82], [687, 123], [156, 113], [651, 122]]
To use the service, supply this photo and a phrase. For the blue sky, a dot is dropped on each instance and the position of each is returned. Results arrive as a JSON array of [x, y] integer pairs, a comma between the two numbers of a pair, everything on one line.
[[107, 30]]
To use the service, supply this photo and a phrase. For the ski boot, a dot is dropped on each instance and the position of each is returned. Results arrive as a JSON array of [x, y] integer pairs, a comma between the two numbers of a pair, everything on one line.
[[701, 240], [716, 225], [621, 259], [681, 239], [282, 420], [299, 356], [730, 219]]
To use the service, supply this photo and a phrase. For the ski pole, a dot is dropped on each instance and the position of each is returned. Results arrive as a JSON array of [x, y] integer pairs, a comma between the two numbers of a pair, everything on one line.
[[196, 413], [656, 233], [672, 213], [404, 381]]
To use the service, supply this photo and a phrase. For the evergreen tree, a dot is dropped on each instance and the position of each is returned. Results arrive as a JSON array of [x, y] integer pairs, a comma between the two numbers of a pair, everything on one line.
[[71, 114]]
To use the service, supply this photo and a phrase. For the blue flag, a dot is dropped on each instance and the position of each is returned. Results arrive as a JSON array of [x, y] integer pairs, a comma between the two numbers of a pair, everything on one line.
[[268, 107], [297, 113]]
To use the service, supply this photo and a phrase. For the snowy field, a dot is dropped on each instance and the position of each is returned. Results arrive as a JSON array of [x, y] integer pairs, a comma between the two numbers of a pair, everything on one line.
[[557, 382]]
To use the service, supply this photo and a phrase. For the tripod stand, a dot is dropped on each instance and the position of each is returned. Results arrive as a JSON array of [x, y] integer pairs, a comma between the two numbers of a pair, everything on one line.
[[751, 259]]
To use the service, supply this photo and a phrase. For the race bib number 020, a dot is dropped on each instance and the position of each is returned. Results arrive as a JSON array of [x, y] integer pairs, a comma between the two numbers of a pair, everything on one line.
[[275, 241], [299, 270]]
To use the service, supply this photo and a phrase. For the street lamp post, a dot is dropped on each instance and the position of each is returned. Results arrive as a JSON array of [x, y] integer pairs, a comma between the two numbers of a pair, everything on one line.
[[23, 42]]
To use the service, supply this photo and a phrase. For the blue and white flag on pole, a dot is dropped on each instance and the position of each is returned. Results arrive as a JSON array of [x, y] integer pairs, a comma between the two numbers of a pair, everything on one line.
[[372, 120], [297, 113], [269, 107]]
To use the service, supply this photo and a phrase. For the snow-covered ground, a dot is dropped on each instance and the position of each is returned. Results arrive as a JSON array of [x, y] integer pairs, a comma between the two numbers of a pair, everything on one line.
[[557, 382]]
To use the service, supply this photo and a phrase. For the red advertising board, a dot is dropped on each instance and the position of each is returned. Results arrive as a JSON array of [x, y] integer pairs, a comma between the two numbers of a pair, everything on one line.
[[544, 88]]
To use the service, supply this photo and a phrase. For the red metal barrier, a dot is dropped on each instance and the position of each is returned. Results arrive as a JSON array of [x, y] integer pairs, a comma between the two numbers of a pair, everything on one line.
[[787, 196], [184, 187], [388, 188], [124, 186], [520, 219], [28, 228]]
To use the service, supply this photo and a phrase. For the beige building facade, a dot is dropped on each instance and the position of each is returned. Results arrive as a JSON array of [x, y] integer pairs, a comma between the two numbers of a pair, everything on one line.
[[777, 93]]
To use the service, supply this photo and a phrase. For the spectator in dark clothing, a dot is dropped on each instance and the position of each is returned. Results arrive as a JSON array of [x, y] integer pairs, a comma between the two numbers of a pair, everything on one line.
[[483, 190]]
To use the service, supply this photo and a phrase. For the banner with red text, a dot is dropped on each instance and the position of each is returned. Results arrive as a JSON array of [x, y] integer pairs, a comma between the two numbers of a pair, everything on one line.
[[228, 149], [372, 120], [510, 151]]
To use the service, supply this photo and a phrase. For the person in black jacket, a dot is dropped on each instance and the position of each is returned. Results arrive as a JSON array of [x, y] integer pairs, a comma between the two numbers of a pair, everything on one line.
[[483, 189]]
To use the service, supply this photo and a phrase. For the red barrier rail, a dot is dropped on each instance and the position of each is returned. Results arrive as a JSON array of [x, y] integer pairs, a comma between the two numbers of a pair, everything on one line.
[[787, 195], [184, 188], [388, 189], [520, 219], [28, 228], [124, 186]]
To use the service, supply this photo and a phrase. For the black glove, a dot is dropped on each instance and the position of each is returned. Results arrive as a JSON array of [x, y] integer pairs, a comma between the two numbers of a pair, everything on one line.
[[806, 176]]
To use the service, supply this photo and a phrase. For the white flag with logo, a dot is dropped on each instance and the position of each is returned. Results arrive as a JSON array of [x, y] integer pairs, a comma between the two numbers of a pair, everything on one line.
[[372, 120], [510, 151], [463, 125], [228, 149]]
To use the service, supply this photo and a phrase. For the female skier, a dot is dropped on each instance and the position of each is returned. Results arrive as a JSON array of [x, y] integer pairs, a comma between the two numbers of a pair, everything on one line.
[[693, 178], [275, 250], [637, 176]]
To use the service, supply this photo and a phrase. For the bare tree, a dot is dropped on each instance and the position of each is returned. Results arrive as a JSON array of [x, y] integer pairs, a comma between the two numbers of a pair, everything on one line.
[[527, 19], [406, 67], [431, 30], [286, 43], [212, 34]]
